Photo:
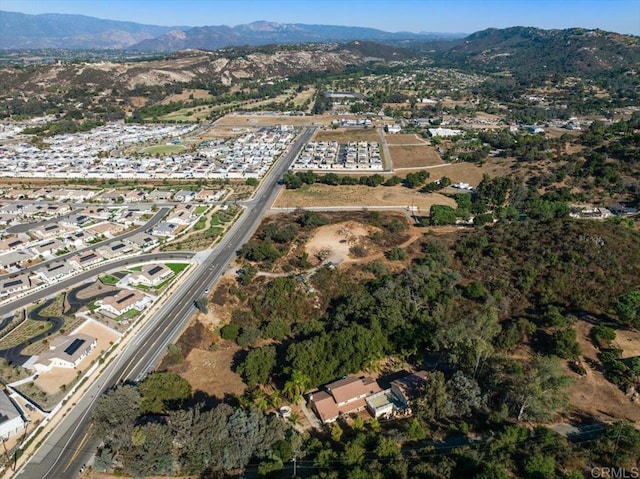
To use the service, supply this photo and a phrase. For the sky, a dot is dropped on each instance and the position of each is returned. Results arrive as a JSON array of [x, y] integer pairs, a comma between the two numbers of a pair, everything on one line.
[[456, 16]]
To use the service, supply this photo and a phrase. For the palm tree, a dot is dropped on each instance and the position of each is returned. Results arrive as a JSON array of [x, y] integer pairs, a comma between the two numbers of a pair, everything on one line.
[[276, 399], [294, 418], [296, 386]]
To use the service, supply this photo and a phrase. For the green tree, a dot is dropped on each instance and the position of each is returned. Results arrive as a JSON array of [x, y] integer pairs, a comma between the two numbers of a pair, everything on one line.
[[296, 386], [442, 215], [229, 332], [163, 390], [258, 365], [628, 308], [565, 343], [537, 391], [115, 414]]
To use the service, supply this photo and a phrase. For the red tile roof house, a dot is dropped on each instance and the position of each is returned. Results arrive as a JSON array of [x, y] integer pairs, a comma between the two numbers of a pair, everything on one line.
[[342, 397]]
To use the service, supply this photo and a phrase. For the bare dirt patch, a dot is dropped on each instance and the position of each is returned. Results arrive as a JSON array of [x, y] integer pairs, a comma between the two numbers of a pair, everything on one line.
[[592, 394], [345, 135], [334, 242], [210, 371], [272, 120], [405, 139], [412, 156], [470, 173], [629, 342], [359, 195]]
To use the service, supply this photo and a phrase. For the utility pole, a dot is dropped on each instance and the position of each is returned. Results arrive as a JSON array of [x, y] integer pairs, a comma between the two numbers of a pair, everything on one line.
[[295, 463], [615, 449]]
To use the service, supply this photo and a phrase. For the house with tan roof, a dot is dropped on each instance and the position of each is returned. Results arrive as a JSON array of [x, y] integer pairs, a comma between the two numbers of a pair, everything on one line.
[[65, 352], [12, 286], [210, 195], [343, 397], [124, 301], [86, 259], [151, 275]]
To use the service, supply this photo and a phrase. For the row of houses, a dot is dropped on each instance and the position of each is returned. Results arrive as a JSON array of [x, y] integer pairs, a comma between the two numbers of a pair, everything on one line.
[[83, 156], [333, 155], [34, 208]]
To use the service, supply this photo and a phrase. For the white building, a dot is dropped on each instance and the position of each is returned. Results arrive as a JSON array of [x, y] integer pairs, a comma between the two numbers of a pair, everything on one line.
[[65, 352], [124, 301], [151, 275], [11, 421]]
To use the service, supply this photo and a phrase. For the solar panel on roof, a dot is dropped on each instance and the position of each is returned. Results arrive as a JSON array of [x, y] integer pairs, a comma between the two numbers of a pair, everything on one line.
[[12, 283], [74, 346], [122, 300], [155, 270]]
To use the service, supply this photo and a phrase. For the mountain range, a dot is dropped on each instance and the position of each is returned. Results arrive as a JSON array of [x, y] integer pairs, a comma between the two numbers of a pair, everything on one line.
[[23, 31]]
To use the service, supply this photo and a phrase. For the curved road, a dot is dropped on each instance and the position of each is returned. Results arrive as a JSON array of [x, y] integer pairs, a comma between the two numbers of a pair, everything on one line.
[[70, 444], [24, 227], [85, 275], [14, 354]]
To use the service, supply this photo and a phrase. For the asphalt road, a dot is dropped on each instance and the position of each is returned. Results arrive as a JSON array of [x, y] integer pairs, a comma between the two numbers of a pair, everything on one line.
[[54, 289], [24, 227], [71, 445], [149, 224]]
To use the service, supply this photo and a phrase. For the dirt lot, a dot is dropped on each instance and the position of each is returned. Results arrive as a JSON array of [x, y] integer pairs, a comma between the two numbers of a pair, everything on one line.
[[210, 371], [345, 135], [405, 139], [208, 362], [592, 394], [470, 173], [359, 195], [413, 156], [334, 241], [270, 120]]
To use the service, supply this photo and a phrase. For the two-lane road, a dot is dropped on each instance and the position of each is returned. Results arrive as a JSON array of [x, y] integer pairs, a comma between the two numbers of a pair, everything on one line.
[[70, 444]]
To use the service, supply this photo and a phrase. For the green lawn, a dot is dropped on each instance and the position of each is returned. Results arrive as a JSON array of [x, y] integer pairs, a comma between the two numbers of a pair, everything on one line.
[[108, 279], [163, 149], [132, 313], [136, 269], [200, 210], [200, 224], [177, 268]]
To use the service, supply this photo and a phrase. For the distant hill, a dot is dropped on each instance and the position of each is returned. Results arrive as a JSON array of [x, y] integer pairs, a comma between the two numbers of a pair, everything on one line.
[[22, 31], [266, 33], [536, 52], [227, 66]]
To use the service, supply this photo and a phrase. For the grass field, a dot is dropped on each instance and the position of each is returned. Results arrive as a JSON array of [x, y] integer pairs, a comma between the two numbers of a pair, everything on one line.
[[177, 268], [358, 195], [409, 156], [184, 96], [163, 149], [108, 279]]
